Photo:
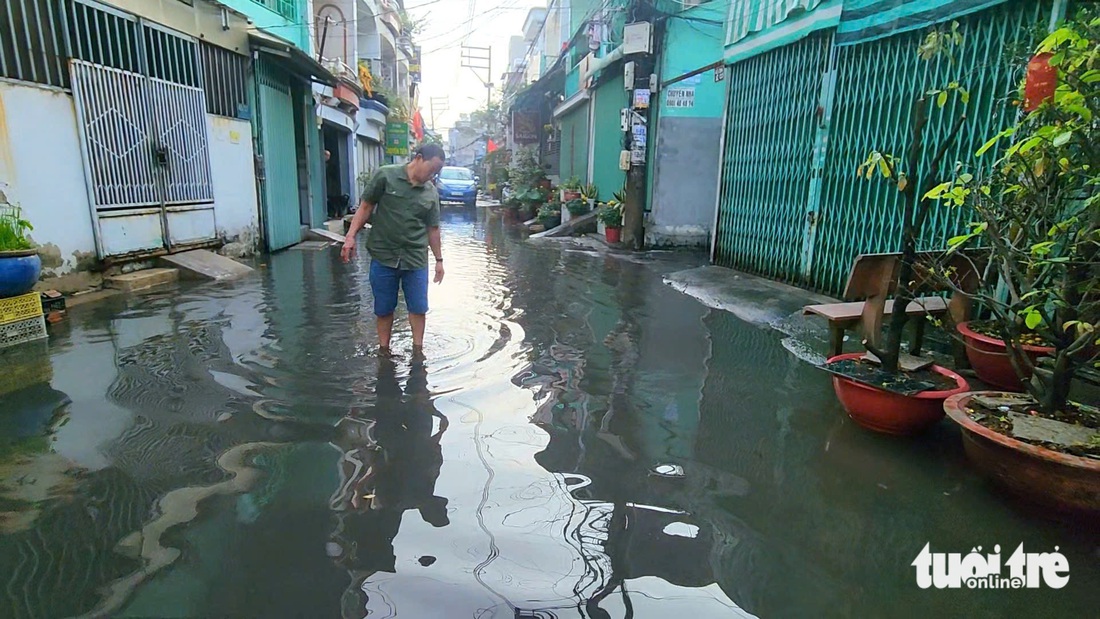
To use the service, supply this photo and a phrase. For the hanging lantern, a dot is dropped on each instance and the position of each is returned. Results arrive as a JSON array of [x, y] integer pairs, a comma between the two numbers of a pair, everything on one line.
[[1041, 81]]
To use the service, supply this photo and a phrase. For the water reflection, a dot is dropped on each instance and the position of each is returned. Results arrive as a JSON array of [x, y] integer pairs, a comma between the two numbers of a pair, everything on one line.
[[390, 459], [234, 450]]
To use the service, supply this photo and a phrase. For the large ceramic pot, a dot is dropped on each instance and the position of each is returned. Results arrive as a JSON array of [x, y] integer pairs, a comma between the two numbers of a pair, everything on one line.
[[1037, 474], [892, 413], [613, 235], [19, 272], [989, 358]]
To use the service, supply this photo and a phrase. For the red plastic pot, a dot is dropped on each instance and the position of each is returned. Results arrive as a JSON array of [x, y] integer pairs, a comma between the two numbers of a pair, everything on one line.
[[613, 235], [989, 358], [892, 413], [1040, 475]]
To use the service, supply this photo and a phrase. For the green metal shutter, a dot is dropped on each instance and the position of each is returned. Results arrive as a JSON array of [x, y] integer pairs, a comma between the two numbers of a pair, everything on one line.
[[876, 87], [766, 169], [282, 211]]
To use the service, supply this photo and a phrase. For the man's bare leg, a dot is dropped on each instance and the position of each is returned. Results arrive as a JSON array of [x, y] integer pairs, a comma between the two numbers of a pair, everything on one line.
[[417, 321], [385, 330]]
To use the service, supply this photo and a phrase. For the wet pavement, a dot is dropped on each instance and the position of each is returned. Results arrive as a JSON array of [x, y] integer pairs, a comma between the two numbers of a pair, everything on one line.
[[582, 441]]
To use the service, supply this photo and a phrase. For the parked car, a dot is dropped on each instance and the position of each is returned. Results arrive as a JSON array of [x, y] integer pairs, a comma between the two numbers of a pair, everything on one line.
[[457, 185]]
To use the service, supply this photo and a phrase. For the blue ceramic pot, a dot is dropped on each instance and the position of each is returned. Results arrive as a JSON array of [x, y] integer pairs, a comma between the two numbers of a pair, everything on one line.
[[19, 271]]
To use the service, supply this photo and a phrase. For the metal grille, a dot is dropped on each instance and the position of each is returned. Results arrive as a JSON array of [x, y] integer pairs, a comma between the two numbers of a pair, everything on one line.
[[877, 84], [114, 109], [32, 43], [104, 36], [286, 8], [225, 80], [790, 205], [770, 132], [182, 134], [171, 57]]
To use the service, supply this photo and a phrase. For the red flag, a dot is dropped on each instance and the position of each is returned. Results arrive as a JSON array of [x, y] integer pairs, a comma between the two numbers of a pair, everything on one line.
[[418, 125], [491, 146]]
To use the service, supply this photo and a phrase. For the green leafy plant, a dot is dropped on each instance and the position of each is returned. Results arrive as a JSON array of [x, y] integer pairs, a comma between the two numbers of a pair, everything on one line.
[[1038, 217], [572, 185], [590, 192], [913, 181], [549, 215], [14, 229], [611, 214], [577, 207]]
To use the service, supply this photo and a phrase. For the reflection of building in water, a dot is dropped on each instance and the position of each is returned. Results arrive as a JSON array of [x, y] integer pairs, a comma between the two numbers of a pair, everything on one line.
[[31, 411], [390, 460]]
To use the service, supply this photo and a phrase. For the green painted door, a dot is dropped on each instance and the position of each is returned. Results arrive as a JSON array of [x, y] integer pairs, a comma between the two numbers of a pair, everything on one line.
[[280, 196], [607, 138], [574, 144]]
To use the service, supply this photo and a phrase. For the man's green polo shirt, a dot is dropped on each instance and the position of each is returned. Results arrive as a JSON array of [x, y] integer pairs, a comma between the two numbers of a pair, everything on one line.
[[403, 213]]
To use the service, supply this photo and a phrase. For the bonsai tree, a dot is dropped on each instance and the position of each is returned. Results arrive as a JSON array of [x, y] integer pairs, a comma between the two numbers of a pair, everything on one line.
[[1038, 217], [913, 180], [14, 229]]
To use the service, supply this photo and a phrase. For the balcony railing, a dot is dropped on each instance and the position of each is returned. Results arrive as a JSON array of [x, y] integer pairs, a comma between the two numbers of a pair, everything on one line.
[[286, 8]]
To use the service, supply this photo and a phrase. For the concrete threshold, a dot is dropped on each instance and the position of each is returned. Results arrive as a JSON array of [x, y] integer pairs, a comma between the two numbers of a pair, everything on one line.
[[753, 299], [142, 280], [203, 264]]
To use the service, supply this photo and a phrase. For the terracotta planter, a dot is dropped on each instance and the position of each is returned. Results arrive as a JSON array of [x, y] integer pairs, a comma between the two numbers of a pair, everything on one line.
[[613, 235], [1037, 474], [889, 412], [989, 358], [567, 195]]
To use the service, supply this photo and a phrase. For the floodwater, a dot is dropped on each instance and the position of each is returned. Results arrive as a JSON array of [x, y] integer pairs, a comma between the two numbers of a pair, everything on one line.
[[582, 441]]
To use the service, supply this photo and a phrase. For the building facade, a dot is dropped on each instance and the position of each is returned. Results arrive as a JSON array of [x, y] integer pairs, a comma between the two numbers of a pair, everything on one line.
[[116, 155]]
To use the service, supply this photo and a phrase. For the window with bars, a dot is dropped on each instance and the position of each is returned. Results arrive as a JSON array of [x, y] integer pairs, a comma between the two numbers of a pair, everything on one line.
[[32, 42], [286, 8], [225, 78]]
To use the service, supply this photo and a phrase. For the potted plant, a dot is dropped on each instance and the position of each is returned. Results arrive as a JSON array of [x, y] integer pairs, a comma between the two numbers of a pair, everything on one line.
[[575, 208], [875, 390], [549, 215], [571, 189], [20, 265], [611, 216], [1038, 215], [590, 193]]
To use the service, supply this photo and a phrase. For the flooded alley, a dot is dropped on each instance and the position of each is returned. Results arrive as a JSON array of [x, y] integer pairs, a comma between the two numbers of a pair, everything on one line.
[[581, 441]]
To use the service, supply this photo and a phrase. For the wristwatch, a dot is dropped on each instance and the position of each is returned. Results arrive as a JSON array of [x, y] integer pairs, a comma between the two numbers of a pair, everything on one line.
[[439, 260]]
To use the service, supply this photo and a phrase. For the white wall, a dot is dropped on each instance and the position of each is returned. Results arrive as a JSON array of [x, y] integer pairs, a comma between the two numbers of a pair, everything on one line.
[[236, 210], [42, 170]]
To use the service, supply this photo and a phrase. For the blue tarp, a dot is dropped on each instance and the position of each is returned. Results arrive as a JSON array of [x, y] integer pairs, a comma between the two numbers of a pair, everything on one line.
[[867, 20]]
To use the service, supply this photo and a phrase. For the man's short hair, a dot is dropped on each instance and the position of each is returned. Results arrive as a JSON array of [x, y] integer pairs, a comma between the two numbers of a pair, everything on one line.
[[428, 152]]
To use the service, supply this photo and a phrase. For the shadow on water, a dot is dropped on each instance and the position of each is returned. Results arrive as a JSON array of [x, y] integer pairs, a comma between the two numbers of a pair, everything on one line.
[[581, 441]]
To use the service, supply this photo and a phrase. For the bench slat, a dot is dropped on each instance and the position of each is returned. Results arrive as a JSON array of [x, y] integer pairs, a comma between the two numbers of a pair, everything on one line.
[[838, 312]]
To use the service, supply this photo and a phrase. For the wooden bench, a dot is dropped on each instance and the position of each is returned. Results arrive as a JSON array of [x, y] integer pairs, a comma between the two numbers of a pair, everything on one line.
[[873, 277]]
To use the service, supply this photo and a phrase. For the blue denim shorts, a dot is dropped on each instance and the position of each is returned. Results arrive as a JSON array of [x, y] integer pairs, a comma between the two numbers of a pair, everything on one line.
[[385, 281]]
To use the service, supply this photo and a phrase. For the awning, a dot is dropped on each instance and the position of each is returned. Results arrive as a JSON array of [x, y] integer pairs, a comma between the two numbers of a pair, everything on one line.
[[529, 96], [758, 26], [867, 20], [293, 58]]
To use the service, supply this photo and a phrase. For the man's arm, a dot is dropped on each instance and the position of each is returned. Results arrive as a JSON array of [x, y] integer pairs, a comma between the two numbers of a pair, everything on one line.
[[362, 215], [435, 242]]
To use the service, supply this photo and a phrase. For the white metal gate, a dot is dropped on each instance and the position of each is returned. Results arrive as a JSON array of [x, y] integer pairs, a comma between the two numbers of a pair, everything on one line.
[[144, 135]]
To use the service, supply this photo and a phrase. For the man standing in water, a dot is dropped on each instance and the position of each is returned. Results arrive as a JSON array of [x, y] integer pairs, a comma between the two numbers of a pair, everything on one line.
[[402, 206]]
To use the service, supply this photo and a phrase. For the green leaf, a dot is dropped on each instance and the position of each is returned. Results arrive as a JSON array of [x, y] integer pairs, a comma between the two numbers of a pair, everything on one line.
[[988, 145], [1029, 144], [1063, 138], [883, 168], [941, 99], [1033, 319], [1042, 249], [958, 240], [966, 177], [937, 192], [964, 95]]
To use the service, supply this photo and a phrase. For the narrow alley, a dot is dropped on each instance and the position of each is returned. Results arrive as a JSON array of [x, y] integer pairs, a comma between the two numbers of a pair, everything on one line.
[[582, 441]]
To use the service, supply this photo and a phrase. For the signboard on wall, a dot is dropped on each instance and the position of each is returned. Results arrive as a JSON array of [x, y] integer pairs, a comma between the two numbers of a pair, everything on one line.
[[680, 98], [641, 98], [525, 127], [397, 139], [414, 65]]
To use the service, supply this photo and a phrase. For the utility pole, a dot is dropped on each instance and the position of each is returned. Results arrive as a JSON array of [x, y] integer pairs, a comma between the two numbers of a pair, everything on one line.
[[480, 59], [634, 205], [443, 103]]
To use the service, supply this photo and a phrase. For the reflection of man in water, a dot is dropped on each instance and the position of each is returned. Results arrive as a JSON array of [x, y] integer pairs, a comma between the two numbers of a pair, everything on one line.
[[391, 458]]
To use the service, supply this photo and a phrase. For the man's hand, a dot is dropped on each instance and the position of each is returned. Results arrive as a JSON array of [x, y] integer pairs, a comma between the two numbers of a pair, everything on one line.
[[438, 272], [348, 251]]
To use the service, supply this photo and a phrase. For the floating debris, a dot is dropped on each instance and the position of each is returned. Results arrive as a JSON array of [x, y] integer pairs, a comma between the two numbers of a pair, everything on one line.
[[668, 470]]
